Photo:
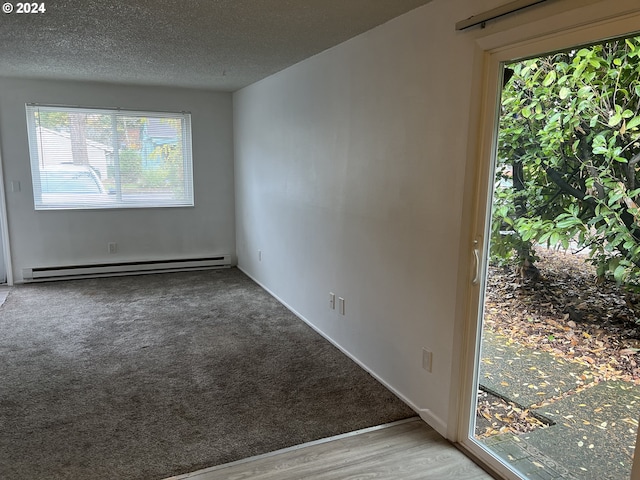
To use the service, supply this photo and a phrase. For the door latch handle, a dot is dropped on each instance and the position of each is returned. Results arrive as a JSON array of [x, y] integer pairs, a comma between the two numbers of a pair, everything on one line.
[[476, 258]]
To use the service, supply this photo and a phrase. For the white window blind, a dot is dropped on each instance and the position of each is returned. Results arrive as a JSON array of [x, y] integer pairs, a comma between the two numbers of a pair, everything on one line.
[[99, 158]]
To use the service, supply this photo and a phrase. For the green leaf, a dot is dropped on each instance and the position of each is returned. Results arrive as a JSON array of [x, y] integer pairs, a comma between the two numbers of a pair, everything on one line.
[[615, 119], [594, 62], [619, 273], [555, 117], [564, 93], [568, 222], [526, 236], [599, 150], [549, 79], [633, 123], [545, 236], [584, 91], [575, 145], [613, 198]]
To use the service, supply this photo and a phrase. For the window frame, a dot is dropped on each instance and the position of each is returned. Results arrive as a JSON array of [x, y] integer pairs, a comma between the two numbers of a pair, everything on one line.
[[117, 202]]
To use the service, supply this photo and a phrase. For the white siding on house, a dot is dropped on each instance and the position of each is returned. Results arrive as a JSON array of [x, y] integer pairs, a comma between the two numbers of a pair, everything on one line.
[[56, 149]]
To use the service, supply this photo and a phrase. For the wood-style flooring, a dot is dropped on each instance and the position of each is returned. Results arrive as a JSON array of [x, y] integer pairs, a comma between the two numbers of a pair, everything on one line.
[[403, 450]]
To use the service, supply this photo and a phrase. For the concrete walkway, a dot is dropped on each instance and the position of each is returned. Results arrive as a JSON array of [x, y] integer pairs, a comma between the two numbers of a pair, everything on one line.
[[591, 428]]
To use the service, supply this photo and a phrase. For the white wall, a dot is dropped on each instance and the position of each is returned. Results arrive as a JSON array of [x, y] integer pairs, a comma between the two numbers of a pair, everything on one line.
[[349, 175], [351, 168], [53, 238]]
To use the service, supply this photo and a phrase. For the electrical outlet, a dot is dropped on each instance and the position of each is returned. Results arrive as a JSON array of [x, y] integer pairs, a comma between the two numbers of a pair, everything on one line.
[[259, 255], [341, 305], [332, 300], [427, 358], [112, 247]]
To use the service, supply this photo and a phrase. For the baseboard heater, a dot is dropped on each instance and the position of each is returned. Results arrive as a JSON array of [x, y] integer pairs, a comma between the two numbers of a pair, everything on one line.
[[43, 274]]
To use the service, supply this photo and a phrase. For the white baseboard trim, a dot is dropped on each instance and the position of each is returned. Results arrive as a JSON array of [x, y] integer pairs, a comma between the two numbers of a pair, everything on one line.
[[433, 421], [427, 415]]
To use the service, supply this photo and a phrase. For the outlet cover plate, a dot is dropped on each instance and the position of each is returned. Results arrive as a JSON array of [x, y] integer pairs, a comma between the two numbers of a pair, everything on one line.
[[341, 305], [427, 359]]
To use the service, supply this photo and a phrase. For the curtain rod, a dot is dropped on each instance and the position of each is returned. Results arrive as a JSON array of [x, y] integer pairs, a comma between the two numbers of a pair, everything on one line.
[[495, 13]]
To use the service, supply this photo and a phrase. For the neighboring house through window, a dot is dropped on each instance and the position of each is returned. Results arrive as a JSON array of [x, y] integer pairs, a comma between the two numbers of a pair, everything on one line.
[[102, 158]]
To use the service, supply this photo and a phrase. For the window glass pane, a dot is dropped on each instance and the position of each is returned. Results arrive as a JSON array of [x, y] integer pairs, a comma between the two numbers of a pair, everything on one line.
[[151, 157], [87, 158]]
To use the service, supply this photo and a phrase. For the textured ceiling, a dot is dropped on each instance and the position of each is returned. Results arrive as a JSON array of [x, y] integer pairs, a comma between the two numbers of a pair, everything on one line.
[[218, 44]]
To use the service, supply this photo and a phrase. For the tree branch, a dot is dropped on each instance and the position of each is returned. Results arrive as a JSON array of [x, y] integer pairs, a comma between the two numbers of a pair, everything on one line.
[[631, 174], [625, 216], [556, 177]]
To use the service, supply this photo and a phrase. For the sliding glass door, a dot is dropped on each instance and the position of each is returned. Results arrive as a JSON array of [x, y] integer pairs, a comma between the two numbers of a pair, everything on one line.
[[553, 385]]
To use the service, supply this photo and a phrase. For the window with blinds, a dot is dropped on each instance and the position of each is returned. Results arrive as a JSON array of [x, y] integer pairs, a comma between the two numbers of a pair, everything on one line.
[[98, 158]]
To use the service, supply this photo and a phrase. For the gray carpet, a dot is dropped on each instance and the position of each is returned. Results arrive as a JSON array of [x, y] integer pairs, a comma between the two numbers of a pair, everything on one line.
[[150, 376]]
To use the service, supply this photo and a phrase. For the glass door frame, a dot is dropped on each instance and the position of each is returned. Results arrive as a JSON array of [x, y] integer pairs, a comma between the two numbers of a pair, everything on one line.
[[583, 25]]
